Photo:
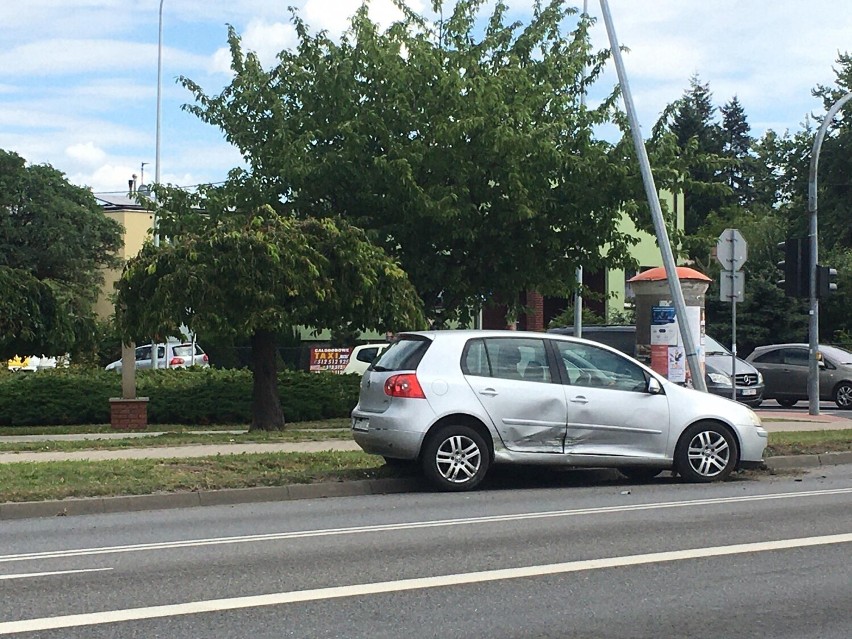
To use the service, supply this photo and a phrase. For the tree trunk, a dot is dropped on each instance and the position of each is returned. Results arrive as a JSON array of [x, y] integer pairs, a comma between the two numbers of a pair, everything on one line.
[[266, 411]]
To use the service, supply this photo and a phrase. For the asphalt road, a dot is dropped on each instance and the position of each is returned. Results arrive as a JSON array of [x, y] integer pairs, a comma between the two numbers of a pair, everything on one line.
[[572, 554]]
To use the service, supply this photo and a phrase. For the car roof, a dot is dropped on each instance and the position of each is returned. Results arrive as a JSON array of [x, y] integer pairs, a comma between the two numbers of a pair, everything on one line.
[[464, 334]]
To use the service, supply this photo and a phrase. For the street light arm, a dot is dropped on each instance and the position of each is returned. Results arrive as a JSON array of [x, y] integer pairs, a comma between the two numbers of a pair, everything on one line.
[[813, 316]]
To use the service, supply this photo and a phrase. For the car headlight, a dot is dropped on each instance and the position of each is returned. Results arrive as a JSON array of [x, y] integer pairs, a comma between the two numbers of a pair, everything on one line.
[[719, 378], [755, 418], [759, 378]]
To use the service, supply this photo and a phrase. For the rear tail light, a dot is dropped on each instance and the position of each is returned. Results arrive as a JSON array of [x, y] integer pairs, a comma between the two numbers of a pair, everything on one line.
[[176, 361], [404, 385], [204, 358]]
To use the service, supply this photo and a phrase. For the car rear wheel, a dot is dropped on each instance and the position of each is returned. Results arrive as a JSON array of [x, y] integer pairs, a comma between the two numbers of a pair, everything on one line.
[[456, 458], [640, 473], [786, 403], [843, 395], [706, 452]]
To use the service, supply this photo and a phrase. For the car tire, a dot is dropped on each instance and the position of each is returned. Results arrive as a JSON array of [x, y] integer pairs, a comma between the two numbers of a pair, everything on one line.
[[754, 404], [843, 395], [456, 458], [640, 473], [787, 403], [706, 452]]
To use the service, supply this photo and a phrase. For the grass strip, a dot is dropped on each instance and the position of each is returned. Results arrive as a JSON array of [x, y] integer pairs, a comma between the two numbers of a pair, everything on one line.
[[176, 439], [38, 481], [809, 442]]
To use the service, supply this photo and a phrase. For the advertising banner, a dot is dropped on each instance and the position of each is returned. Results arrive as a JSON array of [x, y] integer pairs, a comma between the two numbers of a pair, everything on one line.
[[326, 358]]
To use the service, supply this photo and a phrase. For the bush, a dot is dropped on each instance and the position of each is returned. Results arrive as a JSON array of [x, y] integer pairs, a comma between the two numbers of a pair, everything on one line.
[[194, 397]]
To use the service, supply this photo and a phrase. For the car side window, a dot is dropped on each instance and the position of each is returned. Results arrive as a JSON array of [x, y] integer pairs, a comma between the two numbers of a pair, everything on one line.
[[595, 367], [772, 357], [368, 354], [143, 352], [795, 356], [507, 358], [518, 358]]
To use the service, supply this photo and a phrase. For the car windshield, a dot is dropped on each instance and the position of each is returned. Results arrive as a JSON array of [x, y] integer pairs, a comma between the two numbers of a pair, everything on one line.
[[837, 355], [712, 347]]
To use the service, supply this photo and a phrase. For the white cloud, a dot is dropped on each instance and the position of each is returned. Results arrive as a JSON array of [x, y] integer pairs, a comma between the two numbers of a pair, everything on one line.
[[87, 153]]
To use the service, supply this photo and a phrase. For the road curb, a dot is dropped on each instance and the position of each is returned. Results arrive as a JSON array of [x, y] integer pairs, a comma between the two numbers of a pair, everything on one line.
[[233, 496], [229, 496]]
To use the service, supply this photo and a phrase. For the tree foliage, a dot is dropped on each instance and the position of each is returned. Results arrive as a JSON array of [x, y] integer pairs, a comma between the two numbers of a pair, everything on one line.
[[464, 151], [234, 266], [54, 241]]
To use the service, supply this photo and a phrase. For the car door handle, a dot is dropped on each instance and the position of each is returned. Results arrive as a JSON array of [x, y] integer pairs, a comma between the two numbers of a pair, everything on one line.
[[488, 391], [579, 399]]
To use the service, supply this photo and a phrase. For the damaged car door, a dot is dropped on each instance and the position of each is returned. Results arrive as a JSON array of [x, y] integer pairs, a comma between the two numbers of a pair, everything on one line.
[[610, 409], [514, 381]]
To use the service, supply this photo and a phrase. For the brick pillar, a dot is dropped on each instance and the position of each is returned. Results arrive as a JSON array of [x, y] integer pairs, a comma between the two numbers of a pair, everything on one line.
[[128, 414], [535, 314]]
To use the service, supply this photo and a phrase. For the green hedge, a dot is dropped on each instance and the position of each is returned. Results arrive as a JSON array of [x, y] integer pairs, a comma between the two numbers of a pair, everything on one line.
[[205, 396]]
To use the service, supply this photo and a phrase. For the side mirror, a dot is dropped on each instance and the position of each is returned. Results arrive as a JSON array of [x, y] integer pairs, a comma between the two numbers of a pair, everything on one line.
[[821, 363], [654, 386]]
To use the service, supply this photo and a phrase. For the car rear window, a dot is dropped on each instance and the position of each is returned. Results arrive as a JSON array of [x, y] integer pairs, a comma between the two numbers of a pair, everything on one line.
[[185, 350], [402, 355]]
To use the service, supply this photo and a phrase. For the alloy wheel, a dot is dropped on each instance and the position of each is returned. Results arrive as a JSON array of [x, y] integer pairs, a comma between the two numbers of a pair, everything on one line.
[[709, 453], [458, 459]]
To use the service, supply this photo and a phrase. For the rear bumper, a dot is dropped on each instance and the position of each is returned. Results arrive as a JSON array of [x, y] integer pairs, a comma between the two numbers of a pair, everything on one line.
[[397, 432]]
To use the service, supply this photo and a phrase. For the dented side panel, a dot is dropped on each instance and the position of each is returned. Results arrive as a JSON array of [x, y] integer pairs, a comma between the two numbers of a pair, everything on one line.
[[614, 422], [529, 416]]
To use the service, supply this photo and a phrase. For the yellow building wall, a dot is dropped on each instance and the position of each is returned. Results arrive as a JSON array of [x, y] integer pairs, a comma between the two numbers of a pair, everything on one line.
[[646, 252], [137, 227]]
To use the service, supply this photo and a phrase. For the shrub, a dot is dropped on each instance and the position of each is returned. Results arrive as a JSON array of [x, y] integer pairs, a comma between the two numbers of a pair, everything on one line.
[[194, 397]]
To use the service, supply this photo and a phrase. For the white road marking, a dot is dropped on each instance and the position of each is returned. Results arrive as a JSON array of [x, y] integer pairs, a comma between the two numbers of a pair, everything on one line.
[[359, 590], [359, 530], [28, 575]]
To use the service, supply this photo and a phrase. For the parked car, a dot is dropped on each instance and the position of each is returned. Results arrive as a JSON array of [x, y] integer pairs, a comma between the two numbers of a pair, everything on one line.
[[169, 355], [717, 361], [785, 371], [362, 356], [456, 402], [31, 363]]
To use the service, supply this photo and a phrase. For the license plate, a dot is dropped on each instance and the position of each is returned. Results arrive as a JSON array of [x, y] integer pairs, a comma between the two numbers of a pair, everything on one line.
[[360, 423], [749, 391]]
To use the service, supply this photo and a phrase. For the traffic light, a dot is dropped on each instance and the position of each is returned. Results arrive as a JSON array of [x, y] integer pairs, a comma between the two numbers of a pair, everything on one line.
[[826, 281], [797, 259]]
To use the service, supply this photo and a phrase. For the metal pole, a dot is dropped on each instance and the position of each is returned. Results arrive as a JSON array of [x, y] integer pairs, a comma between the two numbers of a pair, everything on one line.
[[155, 230], [734, 293], [159, 101], [578, 273], [656, 211], [813, 316]]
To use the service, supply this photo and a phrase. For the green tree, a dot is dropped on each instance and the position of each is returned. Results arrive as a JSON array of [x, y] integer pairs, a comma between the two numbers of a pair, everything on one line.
[[234, 266], [54, 243], [737, 150], [464, 152]]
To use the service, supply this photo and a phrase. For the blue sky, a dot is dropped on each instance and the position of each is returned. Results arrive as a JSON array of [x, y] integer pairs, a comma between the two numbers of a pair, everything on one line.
[[78, 78]]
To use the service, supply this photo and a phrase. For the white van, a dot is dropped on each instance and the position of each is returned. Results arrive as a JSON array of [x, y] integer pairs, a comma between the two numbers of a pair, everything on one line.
[[362, 356]]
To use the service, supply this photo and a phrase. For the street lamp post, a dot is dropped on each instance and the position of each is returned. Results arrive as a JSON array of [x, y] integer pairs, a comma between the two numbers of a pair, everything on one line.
[[159, 101], [813, 315]]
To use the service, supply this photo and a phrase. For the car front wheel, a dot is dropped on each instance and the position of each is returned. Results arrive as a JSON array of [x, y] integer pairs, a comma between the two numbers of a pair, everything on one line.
[[843, 395], [456, 458], [706, 452], [787, 403]]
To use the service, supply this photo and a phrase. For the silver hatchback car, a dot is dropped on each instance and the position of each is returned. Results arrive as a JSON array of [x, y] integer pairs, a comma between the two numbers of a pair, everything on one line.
[[457, 402]]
